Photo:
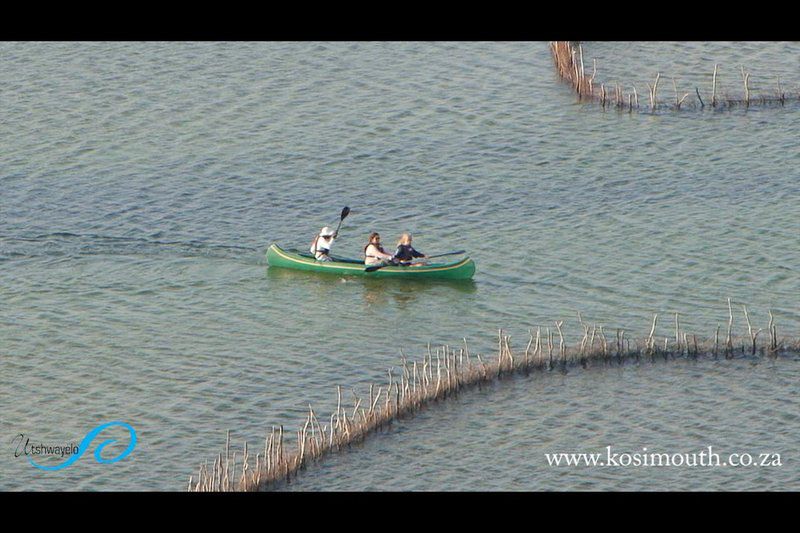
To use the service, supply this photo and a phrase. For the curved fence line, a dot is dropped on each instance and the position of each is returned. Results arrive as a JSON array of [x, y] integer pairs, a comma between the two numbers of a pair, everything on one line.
[[570, 64], [447, 370]]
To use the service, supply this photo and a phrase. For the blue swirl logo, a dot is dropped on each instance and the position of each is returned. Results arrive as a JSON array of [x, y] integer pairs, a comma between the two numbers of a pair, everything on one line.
[[87, 440]]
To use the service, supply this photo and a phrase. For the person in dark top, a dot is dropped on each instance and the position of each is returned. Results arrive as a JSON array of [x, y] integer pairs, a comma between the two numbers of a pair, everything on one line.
[[405, 253]]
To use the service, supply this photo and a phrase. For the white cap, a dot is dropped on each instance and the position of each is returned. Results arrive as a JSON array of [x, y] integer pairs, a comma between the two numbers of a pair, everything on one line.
[[326, 232]]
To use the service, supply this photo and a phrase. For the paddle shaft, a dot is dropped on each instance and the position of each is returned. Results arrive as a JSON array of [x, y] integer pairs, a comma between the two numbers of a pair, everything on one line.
[[448, 253]]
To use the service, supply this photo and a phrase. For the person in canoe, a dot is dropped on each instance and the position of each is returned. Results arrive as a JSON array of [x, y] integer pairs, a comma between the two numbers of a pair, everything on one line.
[[374, 254], [321, 245], [405, 253]]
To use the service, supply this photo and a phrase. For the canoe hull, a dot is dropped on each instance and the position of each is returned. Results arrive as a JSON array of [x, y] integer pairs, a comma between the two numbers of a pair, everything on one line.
[[280, 258]]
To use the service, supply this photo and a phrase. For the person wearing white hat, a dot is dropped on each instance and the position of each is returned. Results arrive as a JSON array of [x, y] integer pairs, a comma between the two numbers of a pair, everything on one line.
[[321, 246]]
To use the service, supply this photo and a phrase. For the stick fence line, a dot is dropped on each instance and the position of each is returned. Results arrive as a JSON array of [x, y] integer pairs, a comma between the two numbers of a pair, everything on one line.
[[445, 371]]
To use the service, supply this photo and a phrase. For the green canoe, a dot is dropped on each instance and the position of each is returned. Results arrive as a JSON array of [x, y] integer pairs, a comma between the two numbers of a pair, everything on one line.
[[278, 257]]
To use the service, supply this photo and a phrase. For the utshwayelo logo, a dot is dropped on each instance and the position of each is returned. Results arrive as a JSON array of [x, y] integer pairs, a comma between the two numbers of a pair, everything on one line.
[[71, 451]]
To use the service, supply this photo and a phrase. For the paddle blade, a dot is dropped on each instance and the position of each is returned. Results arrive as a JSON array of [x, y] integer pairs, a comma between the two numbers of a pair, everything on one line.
[[345, 212]]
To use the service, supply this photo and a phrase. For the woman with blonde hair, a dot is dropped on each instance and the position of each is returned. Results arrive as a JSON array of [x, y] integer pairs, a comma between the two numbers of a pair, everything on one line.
[[405, 253], [374, 254]]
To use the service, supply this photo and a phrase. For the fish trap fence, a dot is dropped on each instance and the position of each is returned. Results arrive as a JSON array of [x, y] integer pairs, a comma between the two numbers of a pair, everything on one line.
[[568, 57], [445, 371]]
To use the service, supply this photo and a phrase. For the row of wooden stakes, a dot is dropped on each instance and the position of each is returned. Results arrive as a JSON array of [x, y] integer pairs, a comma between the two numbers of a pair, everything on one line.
[[569, 62], [445, 372]]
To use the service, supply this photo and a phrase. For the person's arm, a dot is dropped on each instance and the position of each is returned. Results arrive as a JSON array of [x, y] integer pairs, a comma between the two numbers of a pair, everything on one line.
[[416, 253], [374, 252]]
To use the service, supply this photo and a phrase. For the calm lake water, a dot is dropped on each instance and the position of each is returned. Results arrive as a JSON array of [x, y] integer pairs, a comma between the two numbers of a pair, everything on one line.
[[142, 183]]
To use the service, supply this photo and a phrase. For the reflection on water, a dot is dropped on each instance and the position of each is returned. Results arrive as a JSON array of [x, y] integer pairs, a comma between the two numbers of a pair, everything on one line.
[[375, 292], [407, 292]]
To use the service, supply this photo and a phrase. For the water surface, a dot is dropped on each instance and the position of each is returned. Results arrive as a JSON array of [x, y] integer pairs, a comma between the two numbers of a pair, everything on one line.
[[142, 183]]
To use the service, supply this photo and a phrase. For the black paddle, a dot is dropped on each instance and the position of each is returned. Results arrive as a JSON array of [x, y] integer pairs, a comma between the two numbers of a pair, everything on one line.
[[345, 212], [373, 268]]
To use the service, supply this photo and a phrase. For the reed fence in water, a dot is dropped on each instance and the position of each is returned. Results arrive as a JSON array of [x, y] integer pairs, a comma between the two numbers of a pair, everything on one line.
[[570, 64], [445, 371]]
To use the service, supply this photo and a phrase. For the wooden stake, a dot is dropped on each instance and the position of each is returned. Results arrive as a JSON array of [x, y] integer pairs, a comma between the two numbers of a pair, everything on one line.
[[714, 87]]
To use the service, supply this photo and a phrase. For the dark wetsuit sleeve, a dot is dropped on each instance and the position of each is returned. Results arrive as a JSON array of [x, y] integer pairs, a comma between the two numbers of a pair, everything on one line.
[[406, 253]]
